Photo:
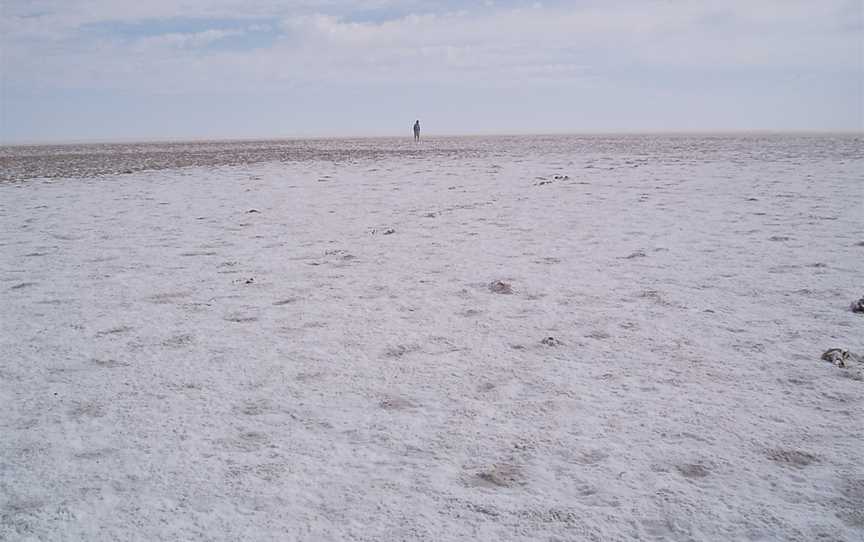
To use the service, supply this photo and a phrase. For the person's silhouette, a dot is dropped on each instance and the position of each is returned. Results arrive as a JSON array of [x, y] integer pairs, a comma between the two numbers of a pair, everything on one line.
[[417, 130]]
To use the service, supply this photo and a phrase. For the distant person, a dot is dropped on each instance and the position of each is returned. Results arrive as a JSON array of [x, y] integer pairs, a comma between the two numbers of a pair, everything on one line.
[[417, 130]]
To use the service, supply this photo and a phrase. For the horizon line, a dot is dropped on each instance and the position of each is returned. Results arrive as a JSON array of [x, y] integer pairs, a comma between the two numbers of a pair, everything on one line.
[[590, 133]]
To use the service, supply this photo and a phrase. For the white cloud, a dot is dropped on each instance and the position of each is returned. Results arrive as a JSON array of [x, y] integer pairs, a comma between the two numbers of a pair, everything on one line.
[[45, 45], [183, 40]]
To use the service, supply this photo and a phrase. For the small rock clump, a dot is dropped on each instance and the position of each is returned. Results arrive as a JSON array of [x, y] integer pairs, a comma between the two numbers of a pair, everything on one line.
[[500, 287], [551, 341], [841, 358]]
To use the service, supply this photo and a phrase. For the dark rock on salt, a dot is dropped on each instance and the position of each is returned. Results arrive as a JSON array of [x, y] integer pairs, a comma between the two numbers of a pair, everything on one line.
[[840, 358], [500, 287], [551, 341]]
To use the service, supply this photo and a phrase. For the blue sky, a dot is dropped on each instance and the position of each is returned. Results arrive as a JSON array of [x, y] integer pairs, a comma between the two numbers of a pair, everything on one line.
[[112, 69]]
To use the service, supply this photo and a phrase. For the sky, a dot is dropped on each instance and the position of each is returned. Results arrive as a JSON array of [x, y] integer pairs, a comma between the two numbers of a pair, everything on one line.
[[76, 70]]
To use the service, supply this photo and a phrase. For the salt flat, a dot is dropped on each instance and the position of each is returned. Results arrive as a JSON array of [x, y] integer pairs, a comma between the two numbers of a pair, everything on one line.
[[307, 347]]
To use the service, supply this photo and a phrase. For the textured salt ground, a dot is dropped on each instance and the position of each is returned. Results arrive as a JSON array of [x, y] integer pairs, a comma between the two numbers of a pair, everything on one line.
[[364, 386]]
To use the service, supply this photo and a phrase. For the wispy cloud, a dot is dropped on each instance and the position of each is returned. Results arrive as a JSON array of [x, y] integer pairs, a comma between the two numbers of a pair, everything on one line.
[[183, 41], [525, 39]]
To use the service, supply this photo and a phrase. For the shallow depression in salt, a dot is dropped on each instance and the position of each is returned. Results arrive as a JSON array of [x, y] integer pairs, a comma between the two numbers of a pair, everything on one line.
[[544, 338]]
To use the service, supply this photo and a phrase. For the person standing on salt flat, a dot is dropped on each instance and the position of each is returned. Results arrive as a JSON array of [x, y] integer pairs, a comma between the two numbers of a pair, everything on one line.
[[417, 130]]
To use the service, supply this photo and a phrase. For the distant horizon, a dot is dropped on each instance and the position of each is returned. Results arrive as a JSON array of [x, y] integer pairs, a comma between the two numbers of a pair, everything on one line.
[[442, 135]]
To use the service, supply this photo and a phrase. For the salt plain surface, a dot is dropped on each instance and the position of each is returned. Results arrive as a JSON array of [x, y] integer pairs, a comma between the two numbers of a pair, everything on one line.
[[310, 343]]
